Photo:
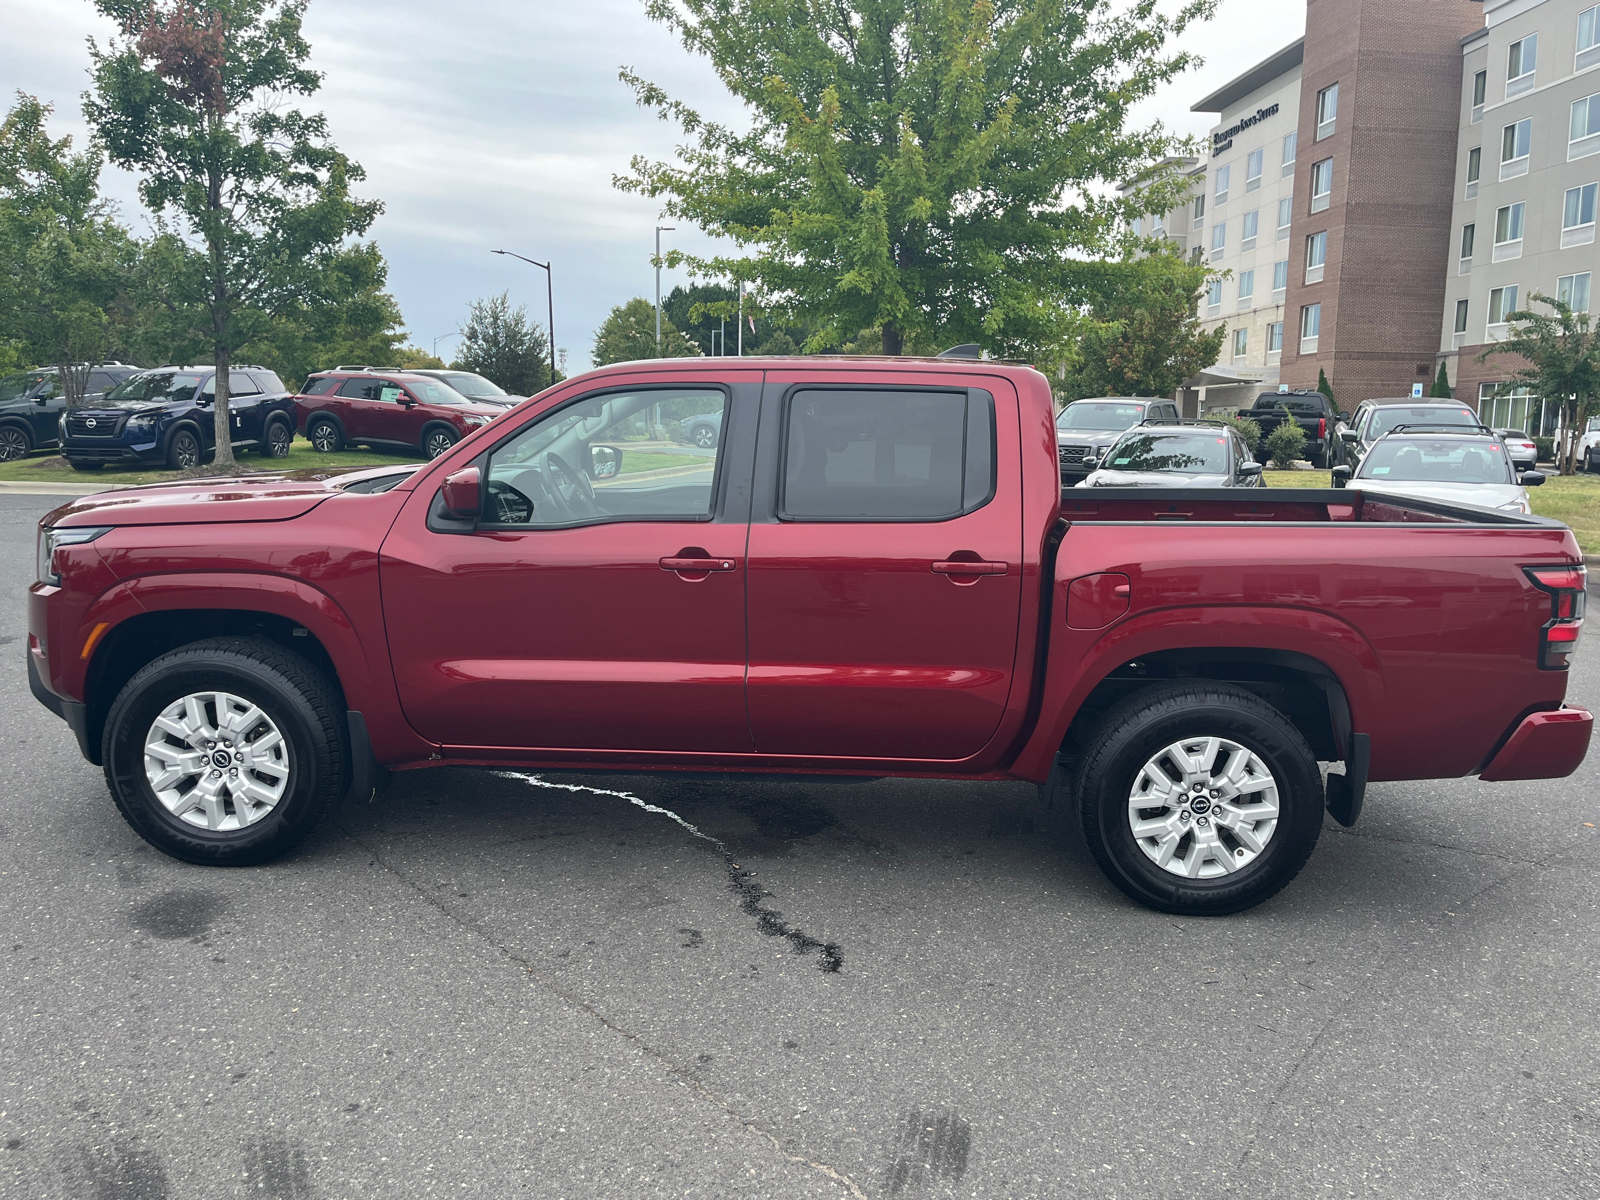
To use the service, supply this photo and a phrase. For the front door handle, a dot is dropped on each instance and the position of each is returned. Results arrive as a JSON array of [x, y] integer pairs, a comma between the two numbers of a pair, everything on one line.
[[699, 564], [964, 567]]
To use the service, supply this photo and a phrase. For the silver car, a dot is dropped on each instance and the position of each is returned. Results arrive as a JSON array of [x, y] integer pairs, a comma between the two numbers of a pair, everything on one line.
[[1437, 463]]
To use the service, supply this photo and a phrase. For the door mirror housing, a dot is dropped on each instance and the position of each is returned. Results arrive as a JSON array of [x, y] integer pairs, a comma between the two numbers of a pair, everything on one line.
[[1249, 468], [1341, 476], [605, 462], [462, 493], [1349, 435], [1531, 478]]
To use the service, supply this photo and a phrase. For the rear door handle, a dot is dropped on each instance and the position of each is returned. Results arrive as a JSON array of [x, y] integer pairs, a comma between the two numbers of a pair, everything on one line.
[[958, 567], [699, 564]]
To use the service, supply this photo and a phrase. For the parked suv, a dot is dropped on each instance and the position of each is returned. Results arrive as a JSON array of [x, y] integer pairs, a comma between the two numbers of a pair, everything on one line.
[[166, 416], [31, 403], [474, 387], [1085, 429], [387, 410]]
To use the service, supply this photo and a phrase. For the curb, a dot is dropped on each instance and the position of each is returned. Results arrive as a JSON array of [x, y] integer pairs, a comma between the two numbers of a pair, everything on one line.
[[29, 488]]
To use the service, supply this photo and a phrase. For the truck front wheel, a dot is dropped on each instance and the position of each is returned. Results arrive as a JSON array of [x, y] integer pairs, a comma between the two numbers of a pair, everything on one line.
[[225, 752], [1199, 798]]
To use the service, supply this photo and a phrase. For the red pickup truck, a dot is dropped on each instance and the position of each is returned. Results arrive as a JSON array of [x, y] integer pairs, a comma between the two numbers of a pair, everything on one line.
[[873, 572]]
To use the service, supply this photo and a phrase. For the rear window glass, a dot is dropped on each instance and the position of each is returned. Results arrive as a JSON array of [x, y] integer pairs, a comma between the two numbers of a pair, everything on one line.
[[887, 455], [316, 387], [1089, 415], [1391, 416], [1416, 460], [267, 381], [1180, 453]]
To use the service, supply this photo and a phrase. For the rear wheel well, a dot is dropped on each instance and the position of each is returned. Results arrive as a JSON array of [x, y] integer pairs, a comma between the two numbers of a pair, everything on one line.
[[1303, 689]]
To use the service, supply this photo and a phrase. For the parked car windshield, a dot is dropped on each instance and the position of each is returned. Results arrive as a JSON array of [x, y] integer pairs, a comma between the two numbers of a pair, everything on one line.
[[13, 386], [431, 391], [1455, 460], [1391, 415], [1180, 453], [469, 384], [1086, 415], [174, 386]]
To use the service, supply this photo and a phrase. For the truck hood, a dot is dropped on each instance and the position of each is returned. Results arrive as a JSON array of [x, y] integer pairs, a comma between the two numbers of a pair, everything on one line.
[[1151, 479], [198, 502], [1484, 495]]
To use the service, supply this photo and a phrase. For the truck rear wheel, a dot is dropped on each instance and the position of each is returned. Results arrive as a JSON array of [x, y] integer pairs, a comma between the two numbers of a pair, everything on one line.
[[1199, 798], [226, 752]]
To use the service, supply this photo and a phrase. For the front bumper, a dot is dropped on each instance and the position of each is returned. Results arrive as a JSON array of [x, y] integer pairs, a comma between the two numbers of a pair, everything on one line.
[[111, 454], [1545, 745], [76, 715]]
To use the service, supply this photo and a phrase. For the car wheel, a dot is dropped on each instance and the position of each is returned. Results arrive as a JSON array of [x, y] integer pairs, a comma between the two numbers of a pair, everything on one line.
[[1319, 460], [279, 439], [436, 441], [14, 443], [183, 451], [85, 466], [324, 435], [225, 752], [704, 436], [1199, 798]]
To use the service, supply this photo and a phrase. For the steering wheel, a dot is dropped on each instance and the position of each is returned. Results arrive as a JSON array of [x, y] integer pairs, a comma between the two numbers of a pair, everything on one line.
[[579, 500], [509, 506]]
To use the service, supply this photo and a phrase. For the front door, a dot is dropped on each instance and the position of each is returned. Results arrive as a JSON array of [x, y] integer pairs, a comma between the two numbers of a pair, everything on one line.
[[598, 602], [885, 578]]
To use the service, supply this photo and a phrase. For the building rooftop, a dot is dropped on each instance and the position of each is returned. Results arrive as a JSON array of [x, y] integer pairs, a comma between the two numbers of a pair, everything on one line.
[[1264, 72]]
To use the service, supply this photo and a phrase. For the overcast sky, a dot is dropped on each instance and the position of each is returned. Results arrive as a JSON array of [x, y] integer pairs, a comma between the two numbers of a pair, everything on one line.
[[487, 124]]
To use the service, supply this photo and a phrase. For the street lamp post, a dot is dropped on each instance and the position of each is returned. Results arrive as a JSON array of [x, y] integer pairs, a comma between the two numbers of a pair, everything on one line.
[[660, 229], [550, 295], [441, 337]]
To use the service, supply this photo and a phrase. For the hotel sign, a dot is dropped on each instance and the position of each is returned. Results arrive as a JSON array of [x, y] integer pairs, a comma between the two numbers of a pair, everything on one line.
[[1223, 139]]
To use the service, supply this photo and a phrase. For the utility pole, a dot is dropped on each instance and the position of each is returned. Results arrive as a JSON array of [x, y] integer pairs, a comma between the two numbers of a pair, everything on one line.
[[550, 294], [741, 318], [660, 229]]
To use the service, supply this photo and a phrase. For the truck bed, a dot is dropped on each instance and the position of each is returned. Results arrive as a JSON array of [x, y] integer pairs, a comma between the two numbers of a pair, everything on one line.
[[1301, 505]]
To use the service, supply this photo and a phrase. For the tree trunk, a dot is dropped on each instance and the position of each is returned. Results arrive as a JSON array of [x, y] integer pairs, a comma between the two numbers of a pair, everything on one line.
[[74, 379], [221, 303], [893, 342], [222, 422]]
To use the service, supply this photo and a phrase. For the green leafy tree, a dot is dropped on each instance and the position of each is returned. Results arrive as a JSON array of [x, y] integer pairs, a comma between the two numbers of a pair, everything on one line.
[[1561, 350], [353, 320], [1143, 337], [194, 96], [505, 345], [1249, 430], [1326, 388], [1441, 385], [1286, 443], [415, 358], [628, 334], [925, 170]]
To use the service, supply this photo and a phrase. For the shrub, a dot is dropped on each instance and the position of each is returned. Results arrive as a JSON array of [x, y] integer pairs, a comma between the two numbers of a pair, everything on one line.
[[1546, 449], [1249, 430], [1285, 444]]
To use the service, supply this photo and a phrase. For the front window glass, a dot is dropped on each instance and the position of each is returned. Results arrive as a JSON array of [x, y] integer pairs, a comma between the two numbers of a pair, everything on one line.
[[1578, 207], [1516, 140], [1091, 414], [1573, 291], [1178, 453], [620, 456], [168, 386], [1585, 117], [1448, 460], [13, 386]]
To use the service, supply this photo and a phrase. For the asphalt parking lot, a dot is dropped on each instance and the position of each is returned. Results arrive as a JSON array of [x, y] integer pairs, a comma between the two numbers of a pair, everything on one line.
[[480, 986]]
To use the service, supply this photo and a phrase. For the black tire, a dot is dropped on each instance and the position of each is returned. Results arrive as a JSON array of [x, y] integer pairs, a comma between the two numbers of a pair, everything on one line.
[[14, 443], [291, 692], [1319, 459], [183, 450], [323, 434], [436, 440], [85, 466], [1140, 727], [278, 440]]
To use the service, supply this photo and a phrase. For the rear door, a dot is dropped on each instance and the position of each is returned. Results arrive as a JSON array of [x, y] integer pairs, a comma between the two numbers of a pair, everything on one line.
[[885, 565], [244, 407], [357, 406]]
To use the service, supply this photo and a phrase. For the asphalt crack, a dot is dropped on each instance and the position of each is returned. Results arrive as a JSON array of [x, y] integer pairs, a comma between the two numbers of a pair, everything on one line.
[[741, 881]]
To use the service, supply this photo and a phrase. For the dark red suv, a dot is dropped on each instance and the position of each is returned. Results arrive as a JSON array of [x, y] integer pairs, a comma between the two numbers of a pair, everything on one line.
[[386, 410]]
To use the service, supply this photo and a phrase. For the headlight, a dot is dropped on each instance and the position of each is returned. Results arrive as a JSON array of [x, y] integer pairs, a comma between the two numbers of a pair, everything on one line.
[[476, 420], [141, 424], [51, 540]]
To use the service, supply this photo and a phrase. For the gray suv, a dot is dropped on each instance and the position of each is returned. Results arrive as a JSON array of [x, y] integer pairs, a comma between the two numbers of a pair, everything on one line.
[[1085, 429]]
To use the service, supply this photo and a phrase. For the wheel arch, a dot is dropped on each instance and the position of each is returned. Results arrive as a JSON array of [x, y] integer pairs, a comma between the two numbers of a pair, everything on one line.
[[434, 423], [322, 414], [11, 421], [192, 424]]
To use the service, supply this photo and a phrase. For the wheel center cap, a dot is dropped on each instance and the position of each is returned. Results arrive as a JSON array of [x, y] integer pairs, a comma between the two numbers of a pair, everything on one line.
[[1200, 805], [221, 759]]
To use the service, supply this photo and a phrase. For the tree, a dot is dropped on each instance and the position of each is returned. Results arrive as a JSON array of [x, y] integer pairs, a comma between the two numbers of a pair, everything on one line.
[[1286, 443], [192, 95], [1441, 385], [502, 344], [415, 358], [1326, 388], [1143, 337], [1562, 353], [929, 171], [628, 334]]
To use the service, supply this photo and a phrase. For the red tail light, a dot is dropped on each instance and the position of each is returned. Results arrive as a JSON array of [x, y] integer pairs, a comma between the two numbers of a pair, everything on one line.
[[1322, 427], [1568, 589]]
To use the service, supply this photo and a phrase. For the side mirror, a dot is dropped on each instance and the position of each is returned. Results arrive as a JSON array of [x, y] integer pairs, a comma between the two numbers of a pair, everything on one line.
[[605, 462], [1250, 468], [1531, 478], [1341, 476], [1349, 435], [462, 493], [1344, 416]]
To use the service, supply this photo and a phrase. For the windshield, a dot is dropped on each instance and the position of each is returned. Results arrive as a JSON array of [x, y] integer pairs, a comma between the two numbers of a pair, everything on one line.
[[1086, 415], [469, 384], [174, 386], [1390, 415], [13, 386], [1178, 453], [1453, 460], [431, 391]]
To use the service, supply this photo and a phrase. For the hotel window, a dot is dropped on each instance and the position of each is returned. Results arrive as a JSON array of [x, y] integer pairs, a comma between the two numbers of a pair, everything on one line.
[[1285, 215], [1316, 256], [1583, 135], [1474, 170], [1280, 275], [1137, 226], [1200, 211], [1289, 144], [1155, 223], [1521, 60], [1577, 216], [1222, 183], [1588, 38], [1219, 239], [1310, 328], [1502, 303], [1515, 143], [1321, 184], [1275, 337], [1468, 235], [1461, 322], [1241, 341], [1252, 169], [1252, 221], [1247, 288], [1480, 86], [1214, 294], [1327, 110], [1573, 291], [1508, 231]]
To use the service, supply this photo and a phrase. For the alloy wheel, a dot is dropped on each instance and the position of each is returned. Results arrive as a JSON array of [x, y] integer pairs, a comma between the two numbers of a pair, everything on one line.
[[278, 440], [324, 437], [13, 444], [1203, 808], [216, 761], [705, 437], [186, 451], [438, 443]]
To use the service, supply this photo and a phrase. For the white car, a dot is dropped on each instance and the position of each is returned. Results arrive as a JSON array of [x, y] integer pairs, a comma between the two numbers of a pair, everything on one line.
[[1524, 451], [1589, 445], [1458, 467]]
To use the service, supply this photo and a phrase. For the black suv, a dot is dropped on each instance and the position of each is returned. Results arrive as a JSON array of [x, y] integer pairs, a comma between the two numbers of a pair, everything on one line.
[[31, 403], [166, 417]]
